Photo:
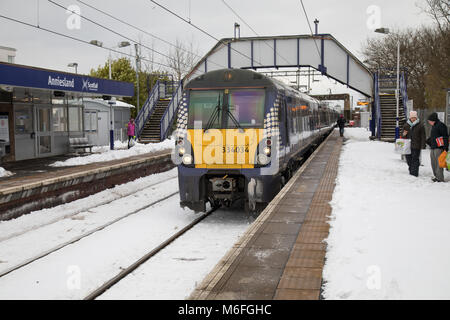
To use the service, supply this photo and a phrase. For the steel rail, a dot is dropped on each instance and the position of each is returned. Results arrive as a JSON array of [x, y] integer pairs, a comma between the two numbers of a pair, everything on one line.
[[78, 238], [107, 285], [69, 215]]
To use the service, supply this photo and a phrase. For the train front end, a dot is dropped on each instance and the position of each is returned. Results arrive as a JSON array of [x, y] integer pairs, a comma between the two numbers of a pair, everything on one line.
[[224, 146]]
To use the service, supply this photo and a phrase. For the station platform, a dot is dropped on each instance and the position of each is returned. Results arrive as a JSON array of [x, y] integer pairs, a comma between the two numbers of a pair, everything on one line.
[[36, 185], [282, 254]]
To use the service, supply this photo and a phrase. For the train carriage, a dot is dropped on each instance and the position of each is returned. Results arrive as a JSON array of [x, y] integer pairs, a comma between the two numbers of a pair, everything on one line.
[[240, 135]]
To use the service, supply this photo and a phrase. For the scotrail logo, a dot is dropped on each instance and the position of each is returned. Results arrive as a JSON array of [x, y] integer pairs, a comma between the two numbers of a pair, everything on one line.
[[89, 86]]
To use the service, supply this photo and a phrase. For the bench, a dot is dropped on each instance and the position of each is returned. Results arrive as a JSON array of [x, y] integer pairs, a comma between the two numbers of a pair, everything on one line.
[[80, 143]]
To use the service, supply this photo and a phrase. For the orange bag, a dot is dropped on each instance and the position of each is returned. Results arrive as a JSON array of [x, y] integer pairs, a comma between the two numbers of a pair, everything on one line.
[[443, 159]]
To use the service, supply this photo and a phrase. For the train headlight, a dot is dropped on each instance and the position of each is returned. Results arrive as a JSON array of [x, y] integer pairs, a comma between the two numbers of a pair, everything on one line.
[[187, 159], [181, 151], [266, 151], [262, 159]]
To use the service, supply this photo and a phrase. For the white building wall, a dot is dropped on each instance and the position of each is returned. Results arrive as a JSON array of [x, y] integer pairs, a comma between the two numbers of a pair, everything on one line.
[[7, 54]]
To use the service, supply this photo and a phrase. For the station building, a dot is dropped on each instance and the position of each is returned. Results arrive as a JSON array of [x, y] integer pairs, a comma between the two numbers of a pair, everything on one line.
[[40, 109], [96, 120]]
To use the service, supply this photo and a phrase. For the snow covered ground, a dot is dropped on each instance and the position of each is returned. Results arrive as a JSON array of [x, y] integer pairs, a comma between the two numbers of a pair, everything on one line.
[[177, 270], [36, 219], [119, 153], [389, 236], [77, 269], [5, 173]]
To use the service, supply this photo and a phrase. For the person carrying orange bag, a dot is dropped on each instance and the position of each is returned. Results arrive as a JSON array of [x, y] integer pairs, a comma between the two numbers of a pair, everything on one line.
[[438, 142]]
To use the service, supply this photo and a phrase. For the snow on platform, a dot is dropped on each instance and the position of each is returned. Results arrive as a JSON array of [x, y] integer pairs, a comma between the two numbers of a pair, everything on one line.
[[108, 155], [389, 236], [4, 173]]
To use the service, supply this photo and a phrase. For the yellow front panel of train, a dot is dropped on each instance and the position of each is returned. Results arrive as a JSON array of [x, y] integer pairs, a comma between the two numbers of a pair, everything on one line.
[[225, 148]]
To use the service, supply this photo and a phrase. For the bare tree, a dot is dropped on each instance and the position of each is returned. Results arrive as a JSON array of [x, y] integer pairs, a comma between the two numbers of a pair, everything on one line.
[[425, 53], [182, 58], [439, 10]]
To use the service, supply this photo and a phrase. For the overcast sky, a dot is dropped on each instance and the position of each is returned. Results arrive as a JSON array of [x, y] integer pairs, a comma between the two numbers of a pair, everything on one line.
[[346, 20]]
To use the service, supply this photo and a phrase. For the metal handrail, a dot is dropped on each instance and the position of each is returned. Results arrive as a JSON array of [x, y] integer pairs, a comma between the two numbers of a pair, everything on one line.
[[169, 114], [404, 91], [377, 105], [147, 109]]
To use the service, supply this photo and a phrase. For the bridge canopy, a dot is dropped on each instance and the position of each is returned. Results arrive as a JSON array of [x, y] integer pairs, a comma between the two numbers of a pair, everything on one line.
[[322, 52]]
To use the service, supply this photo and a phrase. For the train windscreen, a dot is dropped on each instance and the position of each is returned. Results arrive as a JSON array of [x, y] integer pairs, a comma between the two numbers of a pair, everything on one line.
[[244, 108], [202, 105], [247, 107]]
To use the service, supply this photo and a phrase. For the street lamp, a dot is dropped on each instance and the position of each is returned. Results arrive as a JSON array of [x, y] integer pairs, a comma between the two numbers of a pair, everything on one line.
[[121, 44], [397, 91], [74, 65]]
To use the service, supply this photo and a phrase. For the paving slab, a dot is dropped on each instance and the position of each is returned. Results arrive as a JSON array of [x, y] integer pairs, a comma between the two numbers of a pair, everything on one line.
[[282, 254]]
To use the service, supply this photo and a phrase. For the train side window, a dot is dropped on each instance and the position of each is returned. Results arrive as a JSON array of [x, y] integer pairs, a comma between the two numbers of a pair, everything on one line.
[[284, 123]]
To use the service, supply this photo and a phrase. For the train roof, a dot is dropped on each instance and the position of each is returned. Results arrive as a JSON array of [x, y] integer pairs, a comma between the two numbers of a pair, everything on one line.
[[237, 77], [230, 77]]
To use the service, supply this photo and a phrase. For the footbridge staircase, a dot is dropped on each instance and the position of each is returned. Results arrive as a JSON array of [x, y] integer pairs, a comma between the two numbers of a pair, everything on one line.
[[385, 104], [158, 113]]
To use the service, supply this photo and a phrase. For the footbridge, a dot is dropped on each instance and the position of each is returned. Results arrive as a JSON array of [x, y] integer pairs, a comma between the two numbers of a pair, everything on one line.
[[321, 52]]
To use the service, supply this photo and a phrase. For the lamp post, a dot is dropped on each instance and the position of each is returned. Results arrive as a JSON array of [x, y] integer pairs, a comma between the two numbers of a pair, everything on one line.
[[74, 65], [397, 91], [136, 47], [121, 44]]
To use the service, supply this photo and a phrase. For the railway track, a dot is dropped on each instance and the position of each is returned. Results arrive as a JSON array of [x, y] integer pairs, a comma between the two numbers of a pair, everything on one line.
[[66, 216], [87, 234], [108, 284]]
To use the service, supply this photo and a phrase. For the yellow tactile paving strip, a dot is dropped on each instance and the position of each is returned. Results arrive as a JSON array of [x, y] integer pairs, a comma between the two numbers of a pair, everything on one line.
[[281, 255], [303, 276]]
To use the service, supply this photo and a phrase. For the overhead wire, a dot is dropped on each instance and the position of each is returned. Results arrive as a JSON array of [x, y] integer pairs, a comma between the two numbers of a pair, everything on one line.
[[200, 29], [110, 30], [310, 28], [142, 30], [73, 38], [243, 21]]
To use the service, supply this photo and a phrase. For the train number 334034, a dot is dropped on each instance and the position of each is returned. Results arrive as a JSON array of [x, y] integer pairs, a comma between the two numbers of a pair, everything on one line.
[[235, 149]]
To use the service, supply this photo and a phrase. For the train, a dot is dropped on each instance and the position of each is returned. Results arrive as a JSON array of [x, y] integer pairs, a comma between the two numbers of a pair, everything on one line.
[[240, 135]]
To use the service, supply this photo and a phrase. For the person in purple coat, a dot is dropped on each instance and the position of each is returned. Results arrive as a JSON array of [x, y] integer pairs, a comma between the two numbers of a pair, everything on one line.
[[130, 131]]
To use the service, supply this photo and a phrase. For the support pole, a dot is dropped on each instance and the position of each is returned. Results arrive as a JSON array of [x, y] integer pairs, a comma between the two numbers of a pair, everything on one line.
[[109, 63], [397, 92], [136, 47], [111, 125]]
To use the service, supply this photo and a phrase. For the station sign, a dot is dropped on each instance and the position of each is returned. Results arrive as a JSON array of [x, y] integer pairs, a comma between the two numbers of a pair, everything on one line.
[[29, 77]]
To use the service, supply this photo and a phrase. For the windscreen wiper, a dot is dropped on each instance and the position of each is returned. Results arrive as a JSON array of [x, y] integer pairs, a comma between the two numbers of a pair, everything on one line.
[[215, 115], [233, 119]]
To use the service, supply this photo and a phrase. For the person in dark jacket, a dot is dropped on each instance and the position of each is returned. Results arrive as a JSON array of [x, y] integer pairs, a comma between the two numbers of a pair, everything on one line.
[[418, 139], [341, 124], [438, 142]]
